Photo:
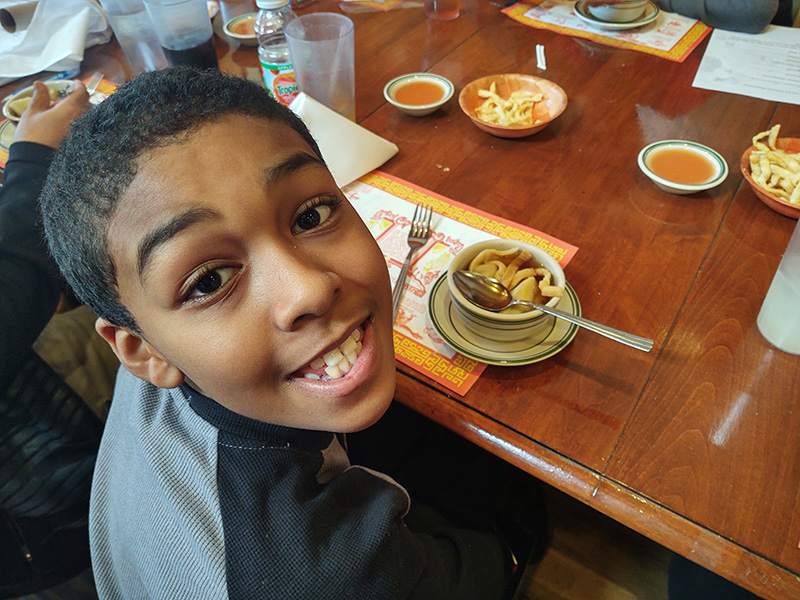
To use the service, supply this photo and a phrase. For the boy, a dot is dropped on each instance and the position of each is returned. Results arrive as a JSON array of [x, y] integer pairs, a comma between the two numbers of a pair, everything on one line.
[[250, 308]]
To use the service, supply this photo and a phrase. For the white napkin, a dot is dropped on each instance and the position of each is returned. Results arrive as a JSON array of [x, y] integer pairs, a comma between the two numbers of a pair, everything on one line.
[[58, 33], [349, 150]]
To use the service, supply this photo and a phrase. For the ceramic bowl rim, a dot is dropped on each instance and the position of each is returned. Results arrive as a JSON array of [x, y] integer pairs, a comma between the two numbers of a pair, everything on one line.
[[715, 157], [516, 127], [744, 166], [625, 4], [617, 10], [526, 318], [239, 36], [443, 82]]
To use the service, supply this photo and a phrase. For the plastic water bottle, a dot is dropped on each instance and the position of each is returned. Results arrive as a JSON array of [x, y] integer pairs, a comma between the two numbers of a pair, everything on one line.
[[273, 51]]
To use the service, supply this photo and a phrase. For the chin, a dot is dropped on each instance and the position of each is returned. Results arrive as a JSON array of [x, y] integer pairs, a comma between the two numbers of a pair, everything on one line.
[[374, 407]]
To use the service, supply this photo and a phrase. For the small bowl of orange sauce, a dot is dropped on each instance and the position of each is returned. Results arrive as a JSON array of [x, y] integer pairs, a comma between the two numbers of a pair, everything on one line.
[[418, 94], [682, 167], [242, 29]]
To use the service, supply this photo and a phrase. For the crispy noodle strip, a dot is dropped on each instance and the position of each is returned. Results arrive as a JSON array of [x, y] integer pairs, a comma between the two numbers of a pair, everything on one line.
[[516, 270], [775, 170]]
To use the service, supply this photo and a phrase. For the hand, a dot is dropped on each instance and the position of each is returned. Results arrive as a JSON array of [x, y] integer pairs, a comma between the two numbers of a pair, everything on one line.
[[48, 125]]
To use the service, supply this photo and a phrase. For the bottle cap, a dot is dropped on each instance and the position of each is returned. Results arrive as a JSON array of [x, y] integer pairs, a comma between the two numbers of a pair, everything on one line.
[[270, 4]]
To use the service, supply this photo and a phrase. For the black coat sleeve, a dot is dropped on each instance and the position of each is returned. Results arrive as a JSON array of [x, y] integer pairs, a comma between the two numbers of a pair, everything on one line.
[[30, 281]]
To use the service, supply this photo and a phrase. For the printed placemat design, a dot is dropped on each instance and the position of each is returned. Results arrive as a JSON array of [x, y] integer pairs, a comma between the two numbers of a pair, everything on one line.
[[670, 36], [386, 203]]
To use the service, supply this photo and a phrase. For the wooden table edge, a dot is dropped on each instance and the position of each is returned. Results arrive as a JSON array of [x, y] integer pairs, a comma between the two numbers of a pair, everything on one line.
[[645, 516]]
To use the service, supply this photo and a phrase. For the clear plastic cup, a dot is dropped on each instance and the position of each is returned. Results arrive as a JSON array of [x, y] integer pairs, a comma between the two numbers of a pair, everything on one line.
[[322, 46], [184, 30], [779, 318], [135, 34]]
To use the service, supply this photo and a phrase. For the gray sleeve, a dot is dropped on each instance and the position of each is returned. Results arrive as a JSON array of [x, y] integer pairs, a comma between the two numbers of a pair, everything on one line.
[[747, 16]]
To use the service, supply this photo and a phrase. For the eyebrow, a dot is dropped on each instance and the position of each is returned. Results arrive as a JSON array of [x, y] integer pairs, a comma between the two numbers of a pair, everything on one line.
[[160, 236], [291, 165]]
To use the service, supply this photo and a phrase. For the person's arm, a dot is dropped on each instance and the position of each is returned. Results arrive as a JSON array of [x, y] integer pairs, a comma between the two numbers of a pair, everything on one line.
[[747, 16], [31, 285]]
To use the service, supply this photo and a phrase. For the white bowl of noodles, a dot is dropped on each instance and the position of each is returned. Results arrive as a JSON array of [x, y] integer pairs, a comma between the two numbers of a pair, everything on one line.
[[496, 258]]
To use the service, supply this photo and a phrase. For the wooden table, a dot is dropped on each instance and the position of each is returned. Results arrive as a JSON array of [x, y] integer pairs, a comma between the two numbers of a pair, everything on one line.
[[695, 445]]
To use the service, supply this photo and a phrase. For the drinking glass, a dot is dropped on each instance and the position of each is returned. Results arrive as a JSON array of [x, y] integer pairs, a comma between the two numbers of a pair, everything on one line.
[[184, 31], [322, 46], [135, 34]]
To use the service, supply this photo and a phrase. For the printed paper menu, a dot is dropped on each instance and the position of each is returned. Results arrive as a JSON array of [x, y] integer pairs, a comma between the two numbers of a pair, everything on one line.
[[386, 204], [764, 65]]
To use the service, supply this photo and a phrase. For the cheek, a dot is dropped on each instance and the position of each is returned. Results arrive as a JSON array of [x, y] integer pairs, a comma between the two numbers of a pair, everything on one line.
[[372, 266]]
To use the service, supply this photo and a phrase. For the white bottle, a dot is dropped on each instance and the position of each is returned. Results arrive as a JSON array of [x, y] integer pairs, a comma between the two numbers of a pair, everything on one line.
[[273, 50]]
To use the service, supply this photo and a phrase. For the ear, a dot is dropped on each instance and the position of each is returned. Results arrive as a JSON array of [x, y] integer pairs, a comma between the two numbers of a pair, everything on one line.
[[139, 357]]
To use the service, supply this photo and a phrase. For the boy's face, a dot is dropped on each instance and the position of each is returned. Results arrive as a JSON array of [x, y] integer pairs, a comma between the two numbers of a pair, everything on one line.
[[242, 262]]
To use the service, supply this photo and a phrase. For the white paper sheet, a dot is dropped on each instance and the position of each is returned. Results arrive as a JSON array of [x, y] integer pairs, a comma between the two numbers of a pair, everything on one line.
[[764, 65]]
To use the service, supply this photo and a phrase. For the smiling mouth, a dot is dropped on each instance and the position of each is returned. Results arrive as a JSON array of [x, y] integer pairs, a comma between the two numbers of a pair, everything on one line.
[[336, 363]]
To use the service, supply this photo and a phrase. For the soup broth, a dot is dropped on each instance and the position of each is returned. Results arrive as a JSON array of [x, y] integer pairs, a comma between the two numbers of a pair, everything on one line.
[[419, 93], [680, 165], [244, 27]]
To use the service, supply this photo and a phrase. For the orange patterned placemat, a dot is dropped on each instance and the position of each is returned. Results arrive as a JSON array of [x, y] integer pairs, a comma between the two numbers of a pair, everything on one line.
[[386, 203], [670, 36], [384, 5]]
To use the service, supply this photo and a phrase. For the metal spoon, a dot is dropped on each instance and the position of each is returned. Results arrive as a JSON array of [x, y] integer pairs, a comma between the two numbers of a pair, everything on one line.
[[492, 295]]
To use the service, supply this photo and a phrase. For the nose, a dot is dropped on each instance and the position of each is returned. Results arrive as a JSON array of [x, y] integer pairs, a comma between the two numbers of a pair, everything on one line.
[[305, 287]]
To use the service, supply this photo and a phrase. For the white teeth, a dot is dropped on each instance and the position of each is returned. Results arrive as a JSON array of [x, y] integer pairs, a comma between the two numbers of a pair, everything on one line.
[[348, 346], [338, 361], [334, 357]]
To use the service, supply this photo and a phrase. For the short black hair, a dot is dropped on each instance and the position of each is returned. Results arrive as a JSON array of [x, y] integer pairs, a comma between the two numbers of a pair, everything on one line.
[[97, 162]]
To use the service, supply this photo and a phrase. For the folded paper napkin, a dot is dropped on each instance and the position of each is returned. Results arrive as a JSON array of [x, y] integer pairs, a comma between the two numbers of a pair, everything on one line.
[[349, 150], [55, 38]]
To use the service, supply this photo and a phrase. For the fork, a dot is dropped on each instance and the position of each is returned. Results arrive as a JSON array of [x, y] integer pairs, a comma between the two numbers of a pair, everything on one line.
[[418, 236], [91, 87]]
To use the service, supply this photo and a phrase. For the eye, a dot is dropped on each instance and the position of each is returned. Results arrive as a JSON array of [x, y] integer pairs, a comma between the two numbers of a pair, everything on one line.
[[207, 282], [314, 213]]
